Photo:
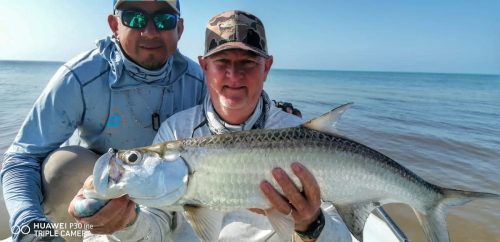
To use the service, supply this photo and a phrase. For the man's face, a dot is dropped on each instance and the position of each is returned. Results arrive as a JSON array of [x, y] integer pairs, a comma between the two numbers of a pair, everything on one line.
[[235, 80], [147, 47]]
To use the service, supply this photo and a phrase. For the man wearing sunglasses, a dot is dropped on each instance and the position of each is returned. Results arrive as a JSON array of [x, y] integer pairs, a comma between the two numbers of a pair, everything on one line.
[[115, 95]]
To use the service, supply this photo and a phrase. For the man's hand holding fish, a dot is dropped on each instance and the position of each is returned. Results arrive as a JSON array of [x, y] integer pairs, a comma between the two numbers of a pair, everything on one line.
[[116, 215], [304, 205]]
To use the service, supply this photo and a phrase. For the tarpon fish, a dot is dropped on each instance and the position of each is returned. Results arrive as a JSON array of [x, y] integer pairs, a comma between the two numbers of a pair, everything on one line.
[[223, 173]]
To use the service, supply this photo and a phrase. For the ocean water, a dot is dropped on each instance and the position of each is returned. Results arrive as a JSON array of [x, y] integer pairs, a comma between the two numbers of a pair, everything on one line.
[[444, 127]]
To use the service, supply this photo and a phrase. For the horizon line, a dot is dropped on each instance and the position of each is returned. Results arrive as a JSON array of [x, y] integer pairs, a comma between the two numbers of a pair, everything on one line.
[[300, 69]]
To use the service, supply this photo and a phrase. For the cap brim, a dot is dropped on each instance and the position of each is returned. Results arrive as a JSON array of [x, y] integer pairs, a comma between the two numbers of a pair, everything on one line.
[[119, 3], [234, 46]]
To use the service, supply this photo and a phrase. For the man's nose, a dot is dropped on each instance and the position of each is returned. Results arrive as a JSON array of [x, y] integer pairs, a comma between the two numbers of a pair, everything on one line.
[[150, 29], [235, 70]]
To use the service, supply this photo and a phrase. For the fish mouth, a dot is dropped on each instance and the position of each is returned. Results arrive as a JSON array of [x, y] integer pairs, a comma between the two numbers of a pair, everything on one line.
[[115, 171], [106, 174]]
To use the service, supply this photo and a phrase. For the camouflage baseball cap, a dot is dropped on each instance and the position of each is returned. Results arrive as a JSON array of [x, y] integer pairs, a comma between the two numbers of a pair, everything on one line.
[[173, 3], [235, 30]]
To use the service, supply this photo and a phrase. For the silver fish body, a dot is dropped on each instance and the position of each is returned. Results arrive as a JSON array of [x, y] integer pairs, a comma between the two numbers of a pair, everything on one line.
[[223, 172], [226, 170]]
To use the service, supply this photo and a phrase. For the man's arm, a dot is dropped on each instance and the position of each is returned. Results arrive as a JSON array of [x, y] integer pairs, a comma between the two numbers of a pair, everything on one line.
[[52, 120], [288, 107]]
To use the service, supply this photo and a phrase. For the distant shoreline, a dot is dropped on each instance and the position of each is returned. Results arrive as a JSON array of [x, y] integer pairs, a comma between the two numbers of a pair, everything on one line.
[[32, 61]]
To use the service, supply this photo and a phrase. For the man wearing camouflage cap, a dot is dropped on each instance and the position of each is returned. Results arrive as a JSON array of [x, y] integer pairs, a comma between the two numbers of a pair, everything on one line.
[[236, 64]]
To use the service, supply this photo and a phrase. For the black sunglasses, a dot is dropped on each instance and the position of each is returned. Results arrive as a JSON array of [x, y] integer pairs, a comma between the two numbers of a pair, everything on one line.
[[138, 19]]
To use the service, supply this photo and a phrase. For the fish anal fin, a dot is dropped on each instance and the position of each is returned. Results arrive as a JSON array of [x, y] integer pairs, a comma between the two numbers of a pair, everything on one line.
[[434, 225], [355, 216], [283, 224], [205, 222], [326, 122]]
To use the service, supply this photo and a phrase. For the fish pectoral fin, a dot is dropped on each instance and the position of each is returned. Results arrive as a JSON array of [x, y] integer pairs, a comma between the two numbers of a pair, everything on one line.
[[283, 224], [206, 222], [326, 122], [355, 216]]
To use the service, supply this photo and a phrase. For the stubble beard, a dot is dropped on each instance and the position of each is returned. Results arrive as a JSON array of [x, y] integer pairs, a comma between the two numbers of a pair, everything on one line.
[[151, 63]]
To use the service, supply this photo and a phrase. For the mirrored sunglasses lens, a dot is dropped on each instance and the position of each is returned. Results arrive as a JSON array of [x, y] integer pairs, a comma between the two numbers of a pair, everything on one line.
[[134, 20], [165, 21]]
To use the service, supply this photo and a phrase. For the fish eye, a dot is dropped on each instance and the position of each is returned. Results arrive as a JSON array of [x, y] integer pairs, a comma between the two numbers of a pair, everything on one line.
[[132, 156]]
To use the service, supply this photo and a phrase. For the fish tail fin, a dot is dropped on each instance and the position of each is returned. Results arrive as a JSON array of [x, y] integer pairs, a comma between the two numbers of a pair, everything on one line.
[[433, 220]]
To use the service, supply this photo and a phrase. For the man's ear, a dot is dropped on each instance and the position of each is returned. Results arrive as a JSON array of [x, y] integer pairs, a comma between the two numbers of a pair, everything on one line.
[[113, 25], [268, 64], [202, 62], [180, 28]]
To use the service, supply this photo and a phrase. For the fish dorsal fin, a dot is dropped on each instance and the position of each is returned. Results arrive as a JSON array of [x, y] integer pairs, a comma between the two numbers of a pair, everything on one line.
[[326, 122], [355, 216], [206, 222], [283, 224]]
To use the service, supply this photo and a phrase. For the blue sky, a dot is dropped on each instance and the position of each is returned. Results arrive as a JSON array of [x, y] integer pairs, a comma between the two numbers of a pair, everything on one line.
[[453, 36]]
